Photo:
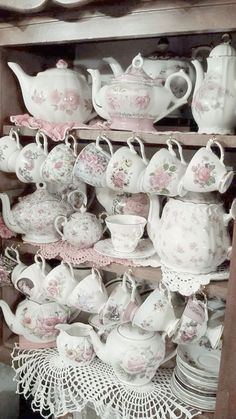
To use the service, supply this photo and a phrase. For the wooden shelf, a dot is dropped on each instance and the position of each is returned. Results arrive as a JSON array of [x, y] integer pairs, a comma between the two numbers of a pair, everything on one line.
[[188, 139]]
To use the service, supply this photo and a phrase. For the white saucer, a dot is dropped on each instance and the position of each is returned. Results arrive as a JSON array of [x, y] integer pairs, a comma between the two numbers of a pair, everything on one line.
[[199, 359], [143, 250]]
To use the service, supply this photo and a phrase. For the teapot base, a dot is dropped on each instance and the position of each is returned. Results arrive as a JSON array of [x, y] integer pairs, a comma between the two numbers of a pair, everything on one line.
[[216, 130], [132, 124], [39, 239]]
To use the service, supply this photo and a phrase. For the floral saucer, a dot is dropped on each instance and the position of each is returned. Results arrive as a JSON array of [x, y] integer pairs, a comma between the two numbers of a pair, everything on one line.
[[199, 359], [143, 250]]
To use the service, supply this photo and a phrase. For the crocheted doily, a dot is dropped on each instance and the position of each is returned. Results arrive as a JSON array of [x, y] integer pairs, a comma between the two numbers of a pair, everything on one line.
[[58, 389]]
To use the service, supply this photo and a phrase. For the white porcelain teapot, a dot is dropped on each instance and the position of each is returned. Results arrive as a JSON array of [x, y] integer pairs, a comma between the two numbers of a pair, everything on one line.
[[55, 95], [34, 214], [214, 98], [191, 235], [133, 100]]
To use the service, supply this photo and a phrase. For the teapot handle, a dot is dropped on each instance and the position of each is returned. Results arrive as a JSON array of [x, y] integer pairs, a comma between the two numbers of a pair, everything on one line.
[[72, 143], [9, 256], [142, 150], [169, 143], [83, 205], [14, 135], [103, 137], [39, 259], [177, 102], [41, 136], [58, 226]]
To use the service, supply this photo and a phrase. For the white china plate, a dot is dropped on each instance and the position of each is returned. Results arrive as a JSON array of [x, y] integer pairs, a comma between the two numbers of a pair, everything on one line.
[[201, 387], [144, 250], [198, 358], [195, 379]]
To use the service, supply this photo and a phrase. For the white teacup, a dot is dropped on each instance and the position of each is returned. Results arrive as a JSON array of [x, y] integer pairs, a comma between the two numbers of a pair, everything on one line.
[[156, 313], [206, 172], [126, 231], [59, 164], [9, 151], [193, 323], [164, 171], [91, 163], [90, 294], [125, 167], [30, 160], [60, 282]]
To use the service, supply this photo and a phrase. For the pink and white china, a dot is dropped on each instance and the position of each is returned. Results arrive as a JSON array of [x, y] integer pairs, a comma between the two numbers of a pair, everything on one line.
[[59, 164], [206, 172], [126, 231], [56, 95], [164, 171], [214, 98], [31, 158], [92, 161], [34, 214], [122, 303], [60, 282], [9, 151], [35, 322], [156, 313], [74, 344], [191, 235], [90, 294], [144, 250], [133, 100], [134, 353], [124, 168], [193, 323], [82, 229]]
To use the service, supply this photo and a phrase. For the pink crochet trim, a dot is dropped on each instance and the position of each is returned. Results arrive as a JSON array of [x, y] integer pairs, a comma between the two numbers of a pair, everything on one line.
[[5, 233], [57, 132], [71, 254]]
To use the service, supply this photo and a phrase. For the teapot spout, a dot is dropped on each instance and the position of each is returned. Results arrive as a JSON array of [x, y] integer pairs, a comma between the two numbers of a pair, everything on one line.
[[10, 318], [99, 347], [199, 75], [7, 215], [24, 80], [97, 91], [115, 66]]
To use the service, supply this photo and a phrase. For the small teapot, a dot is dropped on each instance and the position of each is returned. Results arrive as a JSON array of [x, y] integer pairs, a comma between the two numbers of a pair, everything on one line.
[[34, 214], [82, 230], [57, 95], [134, 353], [133, 100], [35, 322]]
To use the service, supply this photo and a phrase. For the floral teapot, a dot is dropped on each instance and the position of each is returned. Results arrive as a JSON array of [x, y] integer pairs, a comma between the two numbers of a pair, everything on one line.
[[134, 353], [35, 322], [34, 214], [214, 97], [191, 235], [57, 95], [133, 100]]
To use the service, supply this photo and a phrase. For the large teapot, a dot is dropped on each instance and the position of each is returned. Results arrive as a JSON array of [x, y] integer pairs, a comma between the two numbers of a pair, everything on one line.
[[191, 235], [34, 214], [134, 353], [214, 98], [133, 100], [35, 322], [56, 95]]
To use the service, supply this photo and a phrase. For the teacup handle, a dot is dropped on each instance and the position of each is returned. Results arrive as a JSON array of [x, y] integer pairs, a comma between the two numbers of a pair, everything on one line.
[[96, 272], [103, 137], [83, 206], [126, 277], [142, 150], [41, 136], [14, 135], [72, 143], [17, 255], [169, 143], [213, 141], [68, 264], [58, 227], [102, 217], [39, 259]]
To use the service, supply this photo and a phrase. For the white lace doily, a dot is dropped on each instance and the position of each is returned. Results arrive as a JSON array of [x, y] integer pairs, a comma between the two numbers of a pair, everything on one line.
[[58, 389], [188, 284]]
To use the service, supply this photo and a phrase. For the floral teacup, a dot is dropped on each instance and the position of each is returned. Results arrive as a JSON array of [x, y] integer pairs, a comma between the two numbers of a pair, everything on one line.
[[60, 282], [91, 163], [206, 172], [126, 231], [164, 171], [9, 151], [30, 160], [58, 166], [90, 294]]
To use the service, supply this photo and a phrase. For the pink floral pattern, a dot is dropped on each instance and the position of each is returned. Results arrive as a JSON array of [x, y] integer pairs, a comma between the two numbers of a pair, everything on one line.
[[134, 204], [67, 101], [29, 164], [59, 165], [161, 178], [204, 174], [43, 327], [121, 173], [188, 332], [80, 354], [91, 165]]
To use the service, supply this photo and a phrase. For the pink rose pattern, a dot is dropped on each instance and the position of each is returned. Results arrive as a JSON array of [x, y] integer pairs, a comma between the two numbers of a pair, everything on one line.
[[161, 178], [135, 204], [91, 165], [188, 332], [203, 174], [80, 354], [121, 173], [66, 101], [43, 328], [59, 165], [29, 164]]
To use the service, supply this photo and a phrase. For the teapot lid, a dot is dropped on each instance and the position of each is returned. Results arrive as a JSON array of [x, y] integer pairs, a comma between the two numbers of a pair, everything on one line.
[[127, 330], [61, 69], [224, 49], [163, 53], [135, 73]]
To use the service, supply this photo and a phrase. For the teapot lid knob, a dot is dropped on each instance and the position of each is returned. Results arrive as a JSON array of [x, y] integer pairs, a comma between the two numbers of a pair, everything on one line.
[[226, 38], [61, 64], [137, 61]]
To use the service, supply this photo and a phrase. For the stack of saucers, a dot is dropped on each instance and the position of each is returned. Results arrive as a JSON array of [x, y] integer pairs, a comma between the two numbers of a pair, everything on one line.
[[195, 377]]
